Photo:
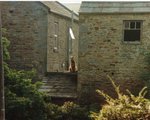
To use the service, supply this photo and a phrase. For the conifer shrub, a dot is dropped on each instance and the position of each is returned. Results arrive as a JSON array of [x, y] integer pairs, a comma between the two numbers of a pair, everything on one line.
[[23, 101], [68, 111], [124, 107], [72, 111]]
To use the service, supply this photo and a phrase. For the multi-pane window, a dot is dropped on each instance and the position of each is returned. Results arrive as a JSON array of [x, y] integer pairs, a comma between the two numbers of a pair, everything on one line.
[[132, 30], [71, 37], [56, 27]]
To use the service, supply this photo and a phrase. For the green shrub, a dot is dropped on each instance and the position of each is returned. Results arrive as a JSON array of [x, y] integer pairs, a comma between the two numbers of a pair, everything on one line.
[[6, 44], [72, 111], [53, 112], [68, 111], [23, 100], [125, 107]]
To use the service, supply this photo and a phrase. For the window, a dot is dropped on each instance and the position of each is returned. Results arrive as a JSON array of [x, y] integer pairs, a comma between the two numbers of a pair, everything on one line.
[[71, 34], [132, 30], [56, 27], [71, 37]]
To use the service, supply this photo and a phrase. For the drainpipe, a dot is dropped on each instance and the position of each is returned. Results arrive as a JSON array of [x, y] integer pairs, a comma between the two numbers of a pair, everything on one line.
[[2, 102], [72, 29], [67, 62], [69, 42], [72, 19]]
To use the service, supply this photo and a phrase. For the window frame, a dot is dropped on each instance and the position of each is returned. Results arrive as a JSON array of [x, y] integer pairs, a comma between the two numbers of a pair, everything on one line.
[[129, 28], [56, 36]]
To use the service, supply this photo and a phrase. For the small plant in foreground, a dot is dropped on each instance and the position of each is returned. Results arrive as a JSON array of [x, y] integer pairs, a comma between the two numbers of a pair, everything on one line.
[[68, 111], [72, 111], [124, 107]]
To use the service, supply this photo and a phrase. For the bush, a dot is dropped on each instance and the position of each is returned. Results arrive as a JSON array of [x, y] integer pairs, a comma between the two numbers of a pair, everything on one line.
[[68, 111], [125, 107], [23, 100], [72, 111], [6, 44], [53, 112]]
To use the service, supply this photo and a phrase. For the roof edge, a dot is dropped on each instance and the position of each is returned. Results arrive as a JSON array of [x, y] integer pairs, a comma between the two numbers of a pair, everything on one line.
[[115, 7], [67, 8], [76, 20], [129, 1], [44, 4], [98, 13]]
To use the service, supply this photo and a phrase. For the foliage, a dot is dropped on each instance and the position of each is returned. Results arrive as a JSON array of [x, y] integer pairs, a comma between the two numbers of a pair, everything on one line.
[[125, 107], [68, 111], [73, 111], [6, 55], [6, 44], [23, 101], [53, 112]]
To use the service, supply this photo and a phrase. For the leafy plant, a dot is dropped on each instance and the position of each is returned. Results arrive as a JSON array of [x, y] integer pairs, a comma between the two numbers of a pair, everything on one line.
[[53, 112], [23, 101], [68, 111], [6, 44], [6, 55], [124, 107], [72, 111]]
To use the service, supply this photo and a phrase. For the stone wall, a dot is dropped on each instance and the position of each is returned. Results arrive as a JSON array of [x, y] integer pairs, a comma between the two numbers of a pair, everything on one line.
[[31, 29], [102, 52], [60, 85], [57, 60], [26, 24]]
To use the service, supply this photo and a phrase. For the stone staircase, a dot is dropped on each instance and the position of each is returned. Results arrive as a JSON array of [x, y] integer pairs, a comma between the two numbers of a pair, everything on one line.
[[60, 85]]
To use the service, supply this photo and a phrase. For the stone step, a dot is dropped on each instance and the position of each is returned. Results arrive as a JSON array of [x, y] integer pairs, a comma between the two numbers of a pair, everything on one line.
[[63, 85]]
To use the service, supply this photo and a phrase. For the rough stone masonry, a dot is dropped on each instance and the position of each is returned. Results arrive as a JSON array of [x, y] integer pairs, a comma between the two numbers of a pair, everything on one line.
[[26, 25], [103, 51]]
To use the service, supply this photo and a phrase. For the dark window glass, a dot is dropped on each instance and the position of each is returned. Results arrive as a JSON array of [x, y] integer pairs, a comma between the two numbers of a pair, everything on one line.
[[138, 25], [133, 32], [127, 25], [132, 25], [131, 35]]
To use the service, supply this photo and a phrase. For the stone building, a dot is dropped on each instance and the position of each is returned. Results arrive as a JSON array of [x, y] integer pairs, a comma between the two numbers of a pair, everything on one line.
[[63, 33], [39, 35], [114, 41]]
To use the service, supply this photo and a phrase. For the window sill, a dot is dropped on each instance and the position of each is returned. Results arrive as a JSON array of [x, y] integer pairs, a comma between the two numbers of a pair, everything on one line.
[[132, 42]]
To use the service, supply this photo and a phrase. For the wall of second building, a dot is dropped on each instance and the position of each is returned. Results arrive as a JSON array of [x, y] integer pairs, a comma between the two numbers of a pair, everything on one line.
[[102, 52], [57, 46], [26, 24], [75, 43]]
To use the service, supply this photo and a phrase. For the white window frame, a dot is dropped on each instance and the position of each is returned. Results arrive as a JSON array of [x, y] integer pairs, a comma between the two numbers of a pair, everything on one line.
[[128, 25], [56, 36]]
